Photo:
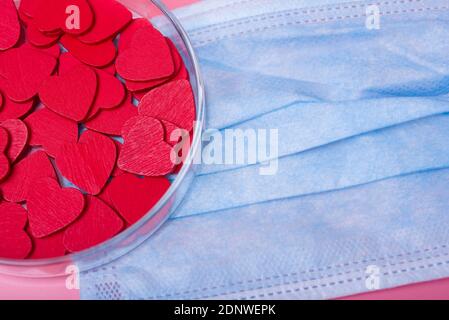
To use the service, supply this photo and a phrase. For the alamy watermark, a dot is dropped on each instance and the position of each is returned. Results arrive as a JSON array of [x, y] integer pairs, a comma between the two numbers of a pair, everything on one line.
[[232, 147]]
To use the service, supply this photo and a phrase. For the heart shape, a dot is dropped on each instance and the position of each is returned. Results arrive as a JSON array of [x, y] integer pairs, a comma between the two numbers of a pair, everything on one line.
[[110, 91], [14, 241], [14, 110], [38, 38], [133, 197], [50, 130], [110, 18], [72, 94], [24, 174], [48, 247], [145, 85], [99, 55], [89, 163], [147, 58], [4, 162], [18, 137], [145, 152], [50, 15], [97, 224], [9, 25], [127, 35], [111, 121], [25, 69], [172, 102], [52, 208]]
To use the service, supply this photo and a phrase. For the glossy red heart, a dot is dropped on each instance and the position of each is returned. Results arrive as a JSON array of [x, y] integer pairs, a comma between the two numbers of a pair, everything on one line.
[[14, 241], [89, 163], [25, 69], [98, 55], [133, 197], [110, 18], [97, 224], [9, 25], [72, 94], [145, 152], [50, 130], [172, 102], [4, 162], [18, 137], [51, 246], [111, 121], [147, 58], [53, 15], [24, 174], [52, 208]]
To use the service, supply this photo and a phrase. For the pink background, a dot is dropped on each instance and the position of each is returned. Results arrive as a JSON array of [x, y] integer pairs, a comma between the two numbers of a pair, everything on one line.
[[429, 290]]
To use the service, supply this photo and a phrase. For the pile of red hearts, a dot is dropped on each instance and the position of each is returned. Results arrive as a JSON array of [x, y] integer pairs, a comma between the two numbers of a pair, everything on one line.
[[89, 97]]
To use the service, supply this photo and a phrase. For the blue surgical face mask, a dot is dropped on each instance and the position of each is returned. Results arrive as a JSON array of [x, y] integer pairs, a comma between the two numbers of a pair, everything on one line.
[[358, 201]]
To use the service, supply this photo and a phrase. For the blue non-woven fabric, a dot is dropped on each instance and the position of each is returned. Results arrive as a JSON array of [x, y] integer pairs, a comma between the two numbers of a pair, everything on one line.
[[369, 190]]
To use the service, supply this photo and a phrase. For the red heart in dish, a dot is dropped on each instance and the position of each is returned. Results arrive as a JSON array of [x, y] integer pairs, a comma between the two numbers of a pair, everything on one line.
[[4, 162], [9, 25], [25, 69], [33, 167], [133, 197], [38, 38], [14, 241], [147, 58], [89, 163], [127, 35], [112, 121], [14, 110], [53, 15], [52, 208], [18, 136], [172, 102], [145, 152], [50, 130], [72, 94], [110, 18], [99, 55], [48, 247], [97, 224]]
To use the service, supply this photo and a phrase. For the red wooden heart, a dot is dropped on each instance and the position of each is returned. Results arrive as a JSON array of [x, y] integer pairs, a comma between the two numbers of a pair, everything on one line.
[[133, 197], [110, 18], [171, 102], [97, 224], [4, 162], [88, 163], [14, 241], [145, 85], [128, 33], [24, 174], [9, 25], [48, 247], [72, 94], [54, 50], [50, 130], [67, 61], [98, 55], [52, 208], [18, 137], [24, 70], [38, 38], [147, 58], [145, 152], [14, 110], [51, 15], [112, 121]]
